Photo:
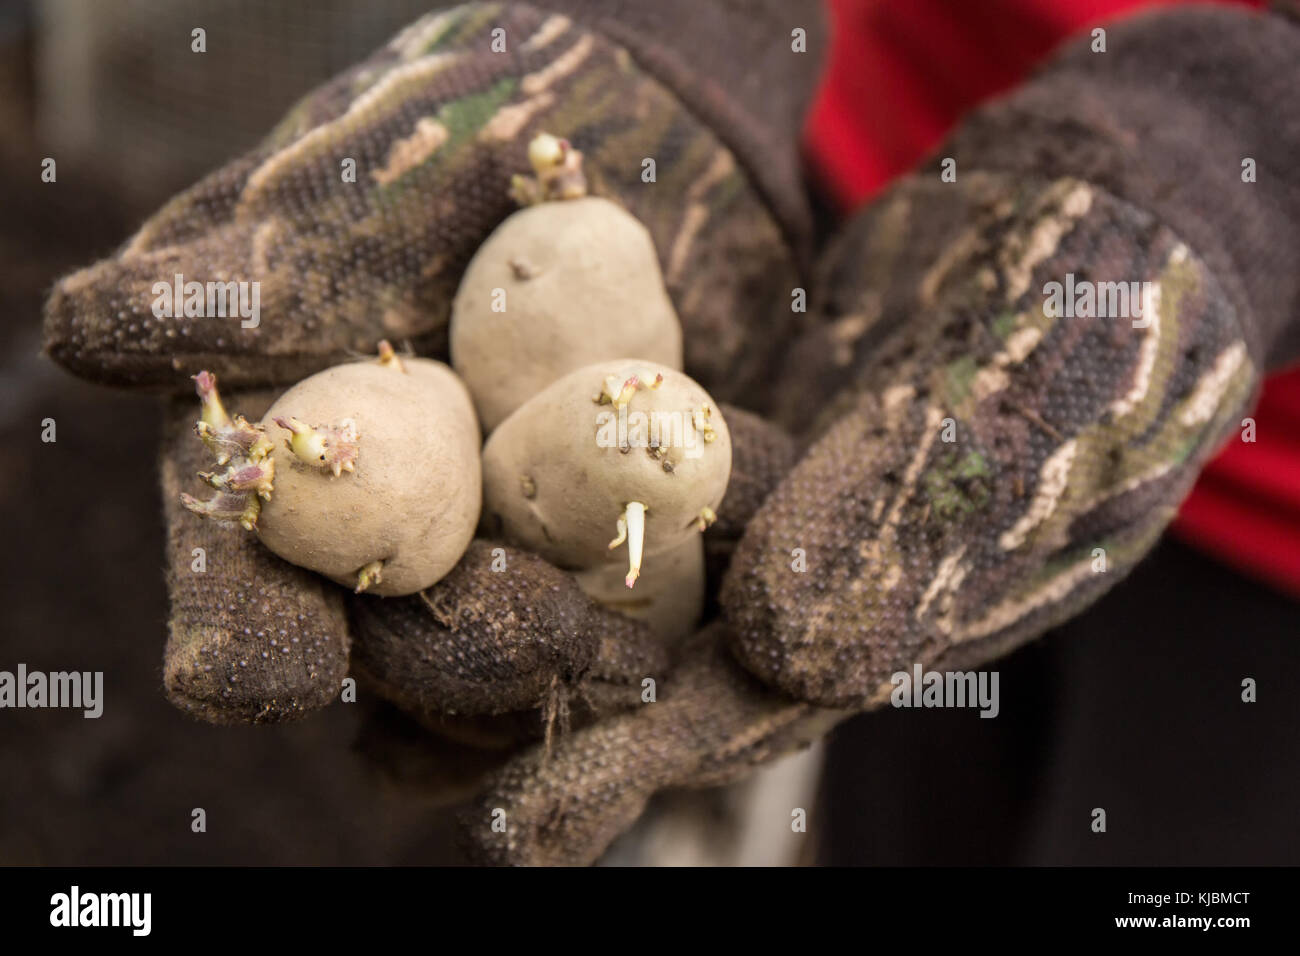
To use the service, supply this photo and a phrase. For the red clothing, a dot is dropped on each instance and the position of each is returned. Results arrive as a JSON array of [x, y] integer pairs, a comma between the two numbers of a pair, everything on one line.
[[900, 74]]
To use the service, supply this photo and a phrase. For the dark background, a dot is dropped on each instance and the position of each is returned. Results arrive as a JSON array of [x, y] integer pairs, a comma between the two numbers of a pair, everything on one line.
[[1134, 707]]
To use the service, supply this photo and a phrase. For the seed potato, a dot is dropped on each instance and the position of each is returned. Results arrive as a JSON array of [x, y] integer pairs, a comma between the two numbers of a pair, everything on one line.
[[579, 282], [579, 463], [412, 499]]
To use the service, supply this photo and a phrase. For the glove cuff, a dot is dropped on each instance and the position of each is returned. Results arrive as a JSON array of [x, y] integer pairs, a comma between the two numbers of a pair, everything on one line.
[[1166, 118], [734, 64]]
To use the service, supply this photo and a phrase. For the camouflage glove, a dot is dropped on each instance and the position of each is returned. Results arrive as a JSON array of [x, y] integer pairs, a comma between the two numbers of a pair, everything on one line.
[[985, 463], [434, 125]]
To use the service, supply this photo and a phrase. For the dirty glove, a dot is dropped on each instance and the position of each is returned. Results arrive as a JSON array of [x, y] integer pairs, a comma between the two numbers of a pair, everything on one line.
[[434, 125], [985, 460]]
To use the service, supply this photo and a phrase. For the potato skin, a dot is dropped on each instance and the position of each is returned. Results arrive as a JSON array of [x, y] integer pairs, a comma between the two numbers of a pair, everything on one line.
[[582, 284], [413, 500], [550, 486], [669, 595]]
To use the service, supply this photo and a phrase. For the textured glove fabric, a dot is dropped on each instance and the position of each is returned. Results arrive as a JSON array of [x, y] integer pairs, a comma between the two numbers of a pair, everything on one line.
[[436, 123], [498, 634], [1165, 119], [998, 465], [1072, 440], [251, 638], [713, 723], [737, 65]]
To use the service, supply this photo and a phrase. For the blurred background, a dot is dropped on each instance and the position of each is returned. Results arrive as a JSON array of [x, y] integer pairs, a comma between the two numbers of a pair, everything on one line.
[[1134, 707]]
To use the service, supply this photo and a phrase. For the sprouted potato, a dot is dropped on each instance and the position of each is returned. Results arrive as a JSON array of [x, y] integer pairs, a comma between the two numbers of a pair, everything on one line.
[[368, 472], [566, 281], [617, 454]]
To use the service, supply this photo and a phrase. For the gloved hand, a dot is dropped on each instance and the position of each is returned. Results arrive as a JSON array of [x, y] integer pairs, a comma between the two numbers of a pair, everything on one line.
[[983, 465], [434, 125], [1068, 434]]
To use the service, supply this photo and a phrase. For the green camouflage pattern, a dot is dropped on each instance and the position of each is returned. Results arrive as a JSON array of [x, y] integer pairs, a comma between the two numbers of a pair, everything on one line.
[[984, 449], [1071, 434], [436, 123]]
